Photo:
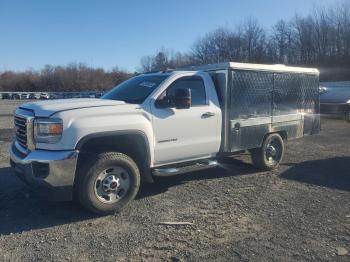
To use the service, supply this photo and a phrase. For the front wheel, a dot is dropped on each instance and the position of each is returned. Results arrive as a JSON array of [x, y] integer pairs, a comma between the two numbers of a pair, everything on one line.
[[108, 183], [270, 154]]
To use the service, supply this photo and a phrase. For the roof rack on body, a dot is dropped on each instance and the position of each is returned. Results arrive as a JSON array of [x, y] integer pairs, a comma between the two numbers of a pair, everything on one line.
[[255, 67], [168, 70]]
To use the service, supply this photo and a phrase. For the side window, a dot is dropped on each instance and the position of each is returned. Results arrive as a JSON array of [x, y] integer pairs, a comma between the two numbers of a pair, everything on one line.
[[194, 83]]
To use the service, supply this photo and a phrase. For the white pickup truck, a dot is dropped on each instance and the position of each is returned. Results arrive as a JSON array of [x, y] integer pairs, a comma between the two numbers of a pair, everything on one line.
[[161, 124]]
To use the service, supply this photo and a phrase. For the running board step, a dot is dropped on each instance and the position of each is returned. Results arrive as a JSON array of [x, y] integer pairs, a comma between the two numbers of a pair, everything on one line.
[[171, 171]]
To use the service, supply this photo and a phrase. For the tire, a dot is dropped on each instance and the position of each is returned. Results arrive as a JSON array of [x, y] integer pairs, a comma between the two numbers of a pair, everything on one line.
[[270, 155], [108, 183]]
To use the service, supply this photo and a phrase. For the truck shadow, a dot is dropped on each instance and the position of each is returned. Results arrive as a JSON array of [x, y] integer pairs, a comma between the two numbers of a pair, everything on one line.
[[331, 172], [21, 211], [231, 167]]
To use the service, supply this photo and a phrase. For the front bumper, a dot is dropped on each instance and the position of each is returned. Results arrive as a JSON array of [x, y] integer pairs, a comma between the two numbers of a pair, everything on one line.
[[50, 173]]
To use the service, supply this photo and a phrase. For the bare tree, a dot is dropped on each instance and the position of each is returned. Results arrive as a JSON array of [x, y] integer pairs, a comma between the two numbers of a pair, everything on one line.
[[160, 61], [321, 39], [146, 63], [281, 43], [254, 41], [218, 46]]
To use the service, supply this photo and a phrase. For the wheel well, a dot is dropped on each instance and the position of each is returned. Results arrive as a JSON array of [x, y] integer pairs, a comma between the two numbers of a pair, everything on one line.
[[283, 134], [133, 145]]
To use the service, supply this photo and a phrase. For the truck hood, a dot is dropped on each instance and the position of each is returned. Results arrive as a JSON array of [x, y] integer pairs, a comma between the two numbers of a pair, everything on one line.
[[48, 108]]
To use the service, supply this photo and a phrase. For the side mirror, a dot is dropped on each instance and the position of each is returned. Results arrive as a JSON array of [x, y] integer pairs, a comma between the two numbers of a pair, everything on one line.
[[182, 98]]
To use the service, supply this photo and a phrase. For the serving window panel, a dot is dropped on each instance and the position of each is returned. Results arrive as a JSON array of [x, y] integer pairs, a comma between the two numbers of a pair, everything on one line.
[[251, 94]]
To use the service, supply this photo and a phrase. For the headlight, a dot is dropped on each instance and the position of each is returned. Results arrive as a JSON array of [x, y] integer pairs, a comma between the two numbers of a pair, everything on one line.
[[348, 102], [48, 130]]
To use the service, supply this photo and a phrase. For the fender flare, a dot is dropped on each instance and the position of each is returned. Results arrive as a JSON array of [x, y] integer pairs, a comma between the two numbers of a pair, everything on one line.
[[146, 173]]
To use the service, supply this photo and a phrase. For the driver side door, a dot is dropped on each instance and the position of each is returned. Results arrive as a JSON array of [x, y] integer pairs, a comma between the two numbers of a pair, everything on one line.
[[185, 134]]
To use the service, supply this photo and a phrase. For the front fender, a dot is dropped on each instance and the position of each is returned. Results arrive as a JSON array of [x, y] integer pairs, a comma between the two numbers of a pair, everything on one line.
[[80, 124]]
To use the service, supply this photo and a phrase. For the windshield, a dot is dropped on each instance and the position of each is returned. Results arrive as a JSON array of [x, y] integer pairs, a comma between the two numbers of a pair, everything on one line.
[[136, 89]]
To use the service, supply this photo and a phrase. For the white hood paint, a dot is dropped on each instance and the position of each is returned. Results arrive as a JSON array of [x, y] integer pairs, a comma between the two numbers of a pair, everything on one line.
[[47, 108]]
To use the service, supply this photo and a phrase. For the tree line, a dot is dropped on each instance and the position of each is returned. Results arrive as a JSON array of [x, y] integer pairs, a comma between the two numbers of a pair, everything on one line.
[[320, 39], [73, 77]]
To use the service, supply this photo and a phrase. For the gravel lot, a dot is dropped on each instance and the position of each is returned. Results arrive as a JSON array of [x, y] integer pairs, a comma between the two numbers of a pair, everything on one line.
[[300, 212]]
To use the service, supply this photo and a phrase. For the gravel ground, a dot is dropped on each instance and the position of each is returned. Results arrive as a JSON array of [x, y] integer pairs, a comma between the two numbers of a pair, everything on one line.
[[300, 212]]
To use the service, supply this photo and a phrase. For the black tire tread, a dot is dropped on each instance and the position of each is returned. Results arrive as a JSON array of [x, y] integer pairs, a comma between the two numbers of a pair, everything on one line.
[[85, 174], [258, 154]]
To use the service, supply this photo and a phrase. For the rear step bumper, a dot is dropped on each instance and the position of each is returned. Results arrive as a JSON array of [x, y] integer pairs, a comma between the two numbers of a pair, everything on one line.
[[176, 170]]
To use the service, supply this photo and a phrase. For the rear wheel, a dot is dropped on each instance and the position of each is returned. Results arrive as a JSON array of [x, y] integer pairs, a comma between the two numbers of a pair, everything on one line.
[[270, 155], [109, 183]]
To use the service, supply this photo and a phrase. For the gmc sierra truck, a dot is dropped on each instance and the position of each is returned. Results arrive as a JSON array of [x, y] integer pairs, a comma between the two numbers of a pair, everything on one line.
[[160, 124]]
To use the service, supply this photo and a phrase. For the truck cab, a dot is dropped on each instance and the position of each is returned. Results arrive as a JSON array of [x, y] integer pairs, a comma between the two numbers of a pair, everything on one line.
[[188, 127], [160, 124]]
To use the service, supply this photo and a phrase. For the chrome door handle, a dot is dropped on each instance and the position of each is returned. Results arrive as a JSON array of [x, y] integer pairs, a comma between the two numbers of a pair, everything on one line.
[[237, 126], [208, 114]]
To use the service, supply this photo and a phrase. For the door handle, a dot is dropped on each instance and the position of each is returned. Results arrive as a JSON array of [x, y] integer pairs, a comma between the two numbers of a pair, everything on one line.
[[208, 114], [237, 126]]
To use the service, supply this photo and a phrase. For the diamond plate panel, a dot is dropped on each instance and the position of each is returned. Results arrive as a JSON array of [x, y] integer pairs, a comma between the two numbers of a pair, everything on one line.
[[311, 95], [251, 94], [294, 93], [257, 95], [287, 95]]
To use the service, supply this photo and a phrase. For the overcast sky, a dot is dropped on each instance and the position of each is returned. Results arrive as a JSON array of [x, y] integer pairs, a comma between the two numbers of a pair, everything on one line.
[[118, 33]]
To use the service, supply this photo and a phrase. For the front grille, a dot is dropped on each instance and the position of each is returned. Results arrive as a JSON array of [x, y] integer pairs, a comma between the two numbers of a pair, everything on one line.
[[21, 131]]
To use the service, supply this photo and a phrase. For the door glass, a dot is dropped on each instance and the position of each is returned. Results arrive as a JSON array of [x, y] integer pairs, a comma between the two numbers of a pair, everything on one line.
[[195, 84]]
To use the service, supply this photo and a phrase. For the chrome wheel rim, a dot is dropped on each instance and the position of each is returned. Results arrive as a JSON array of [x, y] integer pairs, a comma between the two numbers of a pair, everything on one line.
[[273, 152], [112, 184]]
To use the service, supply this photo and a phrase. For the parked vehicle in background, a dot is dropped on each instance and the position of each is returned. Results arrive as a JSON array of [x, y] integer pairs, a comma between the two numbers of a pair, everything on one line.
[[335, 101], [6, 96], [98, 94], [162, 124], [92, 95], [24, 96], [76, 95], [32, 96], [67, 95], [86, 95], [47, 95], [15, 96], [56, 96], [44, 96]]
